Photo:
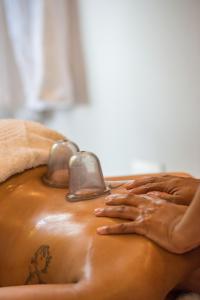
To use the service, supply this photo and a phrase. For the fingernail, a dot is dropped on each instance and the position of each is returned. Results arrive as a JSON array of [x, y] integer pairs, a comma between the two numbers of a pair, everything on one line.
[[115, 197], [129, 183], [98, 210], [131, 192], [108, 200], [102, 230], [110, 197], [153, 193]]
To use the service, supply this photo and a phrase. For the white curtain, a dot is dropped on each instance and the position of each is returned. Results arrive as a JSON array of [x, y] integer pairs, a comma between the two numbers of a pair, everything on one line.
[[41, 63]]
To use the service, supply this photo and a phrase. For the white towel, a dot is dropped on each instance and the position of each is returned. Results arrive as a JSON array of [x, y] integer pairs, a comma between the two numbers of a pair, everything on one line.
[[189, 296], [23, 145]]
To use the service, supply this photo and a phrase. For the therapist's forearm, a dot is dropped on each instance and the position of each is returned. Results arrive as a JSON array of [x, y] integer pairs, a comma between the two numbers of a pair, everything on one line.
[[188, 230]]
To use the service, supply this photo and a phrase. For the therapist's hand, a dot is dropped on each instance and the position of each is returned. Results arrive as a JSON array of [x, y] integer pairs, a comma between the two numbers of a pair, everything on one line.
[[175, 189], [149, 216]]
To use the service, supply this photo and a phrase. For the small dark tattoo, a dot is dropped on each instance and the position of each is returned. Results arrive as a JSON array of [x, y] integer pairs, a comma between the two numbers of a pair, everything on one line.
[[39, 265]]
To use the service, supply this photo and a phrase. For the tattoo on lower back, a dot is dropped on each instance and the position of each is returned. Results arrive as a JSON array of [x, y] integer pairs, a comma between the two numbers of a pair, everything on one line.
[[39, 265]]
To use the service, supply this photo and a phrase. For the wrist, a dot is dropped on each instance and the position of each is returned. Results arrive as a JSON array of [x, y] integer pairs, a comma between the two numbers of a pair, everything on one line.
[[178, 237], [184, 241]]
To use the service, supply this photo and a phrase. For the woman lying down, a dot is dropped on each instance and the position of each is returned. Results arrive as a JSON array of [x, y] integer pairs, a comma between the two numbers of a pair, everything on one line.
[[53, 249]]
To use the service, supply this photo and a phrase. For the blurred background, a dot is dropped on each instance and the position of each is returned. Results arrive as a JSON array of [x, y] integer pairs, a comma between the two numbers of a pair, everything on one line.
[[118, 77]]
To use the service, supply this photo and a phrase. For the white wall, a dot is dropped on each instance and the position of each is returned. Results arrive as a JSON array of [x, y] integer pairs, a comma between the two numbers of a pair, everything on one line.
[[143, 68]]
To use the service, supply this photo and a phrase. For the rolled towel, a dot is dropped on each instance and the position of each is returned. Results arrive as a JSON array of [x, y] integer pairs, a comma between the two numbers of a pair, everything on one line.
[[24, 145]]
